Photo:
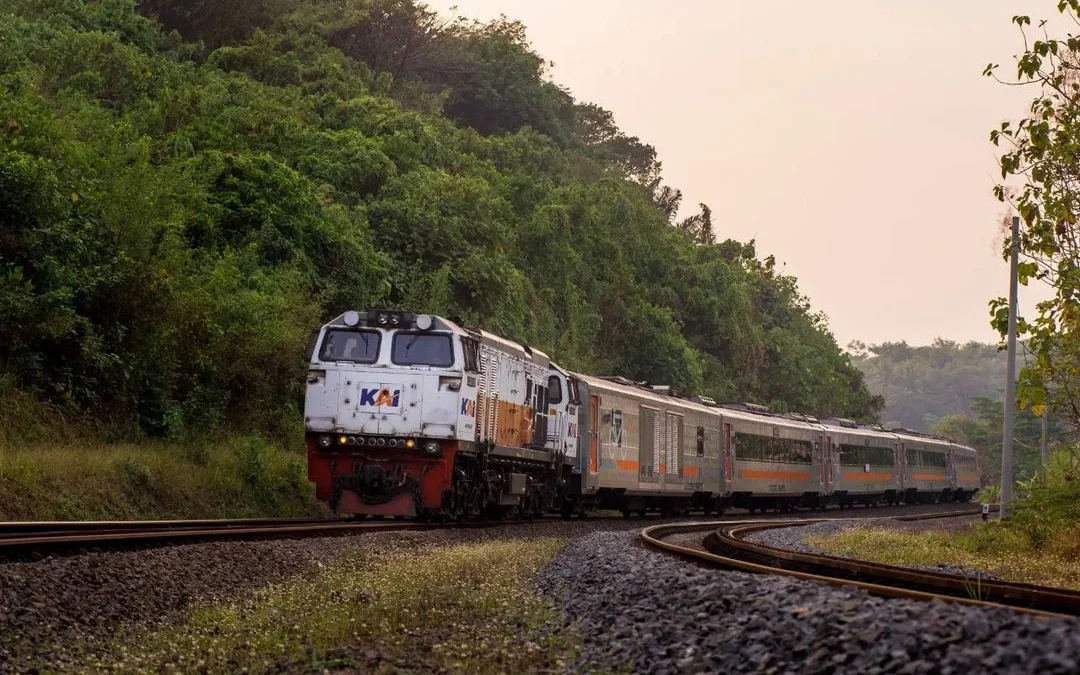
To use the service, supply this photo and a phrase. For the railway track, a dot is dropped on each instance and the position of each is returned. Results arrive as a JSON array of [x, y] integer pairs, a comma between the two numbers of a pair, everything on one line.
[[41, 539], [723, 545], [30, 539]]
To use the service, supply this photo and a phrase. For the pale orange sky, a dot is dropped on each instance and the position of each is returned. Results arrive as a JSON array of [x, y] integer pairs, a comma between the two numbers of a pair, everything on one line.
[[849, 138]]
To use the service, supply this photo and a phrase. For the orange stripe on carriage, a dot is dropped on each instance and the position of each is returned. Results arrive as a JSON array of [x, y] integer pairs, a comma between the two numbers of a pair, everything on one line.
[[928, 476], [691, 470], [626, 465], [781, 475], [868, 476]]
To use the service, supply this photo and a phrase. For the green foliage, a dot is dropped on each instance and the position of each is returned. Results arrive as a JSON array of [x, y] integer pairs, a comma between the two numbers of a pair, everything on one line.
[[1040, 151], [923, 385], [988, 494], [982, 431], [221, 477], [1048, 505], [186, 193]]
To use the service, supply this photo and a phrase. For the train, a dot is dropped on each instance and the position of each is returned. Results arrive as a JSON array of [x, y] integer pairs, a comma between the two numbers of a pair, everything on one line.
[[414, 416]]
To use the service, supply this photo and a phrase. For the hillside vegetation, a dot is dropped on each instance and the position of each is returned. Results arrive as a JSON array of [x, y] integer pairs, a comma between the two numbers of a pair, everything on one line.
[[187, 189], [923, 384]]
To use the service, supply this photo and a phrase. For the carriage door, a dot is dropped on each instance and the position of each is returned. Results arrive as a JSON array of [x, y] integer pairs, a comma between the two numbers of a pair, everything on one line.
[[673, 432], [727, 453], [830, 461], [594, 433], [901, 463], [821, 451]]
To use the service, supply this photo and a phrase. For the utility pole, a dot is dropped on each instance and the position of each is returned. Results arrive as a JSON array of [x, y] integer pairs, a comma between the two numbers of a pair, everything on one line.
[[1010, 381]]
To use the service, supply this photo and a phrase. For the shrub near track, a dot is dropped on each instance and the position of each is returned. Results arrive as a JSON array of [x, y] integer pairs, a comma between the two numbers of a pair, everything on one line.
[[459, 608], [231, 478]]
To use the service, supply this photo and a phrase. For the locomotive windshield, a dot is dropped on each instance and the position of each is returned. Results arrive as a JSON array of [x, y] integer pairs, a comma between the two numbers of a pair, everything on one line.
[[357, 346], [422, 349]]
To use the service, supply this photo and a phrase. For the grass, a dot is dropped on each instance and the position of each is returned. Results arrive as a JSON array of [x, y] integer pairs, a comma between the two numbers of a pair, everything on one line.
[[464, 608], [1001, 551], [227, 478]]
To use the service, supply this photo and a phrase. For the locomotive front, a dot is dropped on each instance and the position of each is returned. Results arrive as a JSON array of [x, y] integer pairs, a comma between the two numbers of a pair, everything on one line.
[[386, 406]]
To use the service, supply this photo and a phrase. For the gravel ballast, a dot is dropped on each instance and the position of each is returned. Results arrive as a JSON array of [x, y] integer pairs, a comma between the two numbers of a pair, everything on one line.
[[651, 612], [796, 538], [56, 612]]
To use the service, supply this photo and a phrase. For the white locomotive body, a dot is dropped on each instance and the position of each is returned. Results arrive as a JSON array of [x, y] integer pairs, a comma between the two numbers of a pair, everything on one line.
[[412, 415]]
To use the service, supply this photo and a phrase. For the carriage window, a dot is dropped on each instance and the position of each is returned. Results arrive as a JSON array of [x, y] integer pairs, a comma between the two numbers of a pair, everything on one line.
[[423, 349], [701, 441], [617, 427], [554, 390], [357, 346], [926, 458], [859, 455], [771, 449]]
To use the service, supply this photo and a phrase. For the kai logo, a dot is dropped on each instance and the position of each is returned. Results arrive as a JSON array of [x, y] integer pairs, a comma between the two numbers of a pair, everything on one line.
[[379, 397], [468, 407]]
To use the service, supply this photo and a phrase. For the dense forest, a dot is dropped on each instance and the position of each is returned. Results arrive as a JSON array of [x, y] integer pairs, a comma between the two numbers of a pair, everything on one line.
[[923, 384], [188, 188]]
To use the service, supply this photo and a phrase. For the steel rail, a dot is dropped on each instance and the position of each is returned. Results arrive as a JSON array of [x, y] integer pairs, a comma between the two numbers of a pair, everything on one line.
[[724, 547], [34, 545], [30, 539], [41, 527]]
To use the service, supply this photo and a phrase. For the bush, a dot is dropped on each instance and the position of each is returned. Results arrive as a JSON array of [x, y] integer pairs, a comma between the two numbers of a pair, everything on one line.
[[1047, 507]]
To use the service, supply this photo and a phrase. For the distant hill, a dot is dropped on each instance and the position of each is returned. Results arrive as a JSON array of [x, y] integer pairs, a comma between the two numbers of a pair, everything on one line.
[[921, 385]]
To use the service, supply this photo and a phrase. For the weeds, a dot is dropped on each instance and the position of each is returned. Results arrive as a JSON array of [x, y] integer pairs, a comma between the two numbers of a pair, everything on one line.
[[231, 477], [463, 608], [990, 547]]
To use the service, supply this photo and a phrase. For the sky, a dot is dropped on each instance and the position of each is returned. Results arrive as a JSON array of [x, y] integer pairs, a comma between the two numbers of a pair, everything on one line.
[[848, 138]]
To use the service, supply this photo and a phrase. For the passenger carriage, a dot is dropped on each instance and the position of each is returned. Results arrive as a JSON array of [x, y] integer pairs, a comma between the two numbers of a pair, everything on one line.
[[924, 463], [862, 463], [777, 459], [965, 470], [644, 450]]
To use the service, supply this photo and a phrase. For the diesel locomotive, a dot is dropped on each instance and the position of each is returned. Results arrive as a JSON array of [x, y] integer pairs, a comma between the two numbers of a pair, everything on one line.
[[412, 415]]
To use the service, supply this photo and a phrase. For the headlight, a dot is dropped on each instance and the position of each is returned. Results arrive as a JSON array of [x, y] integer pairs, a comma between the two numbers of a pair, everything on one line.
[[431, 447], [410, 443], [325, 441]]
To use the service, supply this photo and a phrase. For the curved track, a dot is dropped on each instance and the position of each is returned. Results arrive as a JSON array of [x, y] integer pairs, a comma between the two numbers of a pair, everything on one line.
[[723, 545], [30, 539]]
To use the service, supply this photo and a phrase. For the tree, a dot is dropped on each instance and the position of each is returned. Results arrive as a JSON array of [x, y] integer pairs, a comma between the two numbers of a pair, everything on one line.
[[1040, 151], [176, 216], [699, 226], [982, 431]]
